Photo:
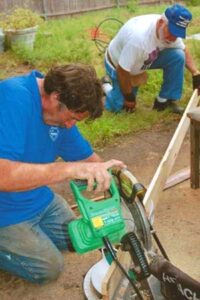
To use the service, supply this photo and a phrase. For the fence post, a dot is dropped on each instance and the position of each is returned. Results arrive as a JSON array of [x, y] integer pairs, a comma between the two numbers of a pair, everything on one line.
[[44, 8]]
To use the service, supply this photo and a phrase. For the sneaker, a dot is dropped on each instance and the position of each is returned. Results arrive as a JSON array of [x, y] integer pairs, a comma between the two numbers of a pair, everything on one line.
[[106, 79], [160, 106], [174, 108], [106, 84]]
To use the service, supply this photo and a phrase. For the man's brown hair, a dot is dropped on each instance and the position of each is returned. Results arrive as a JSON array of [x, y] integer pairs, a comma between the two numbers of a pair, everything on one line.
[[78, 88]]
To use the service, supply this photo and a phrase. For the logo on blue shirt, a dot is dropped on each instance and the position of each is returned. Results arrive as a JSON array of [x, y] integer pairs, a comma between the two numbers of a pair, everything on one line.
[[152, 57], [53, 133]]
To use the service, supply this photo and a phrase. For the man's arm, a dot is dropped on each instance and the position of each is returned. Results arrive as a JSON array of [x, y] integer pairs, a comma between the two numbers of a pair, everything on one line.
[[18, 176], [125, 83], [128, 81], [124, 80], [190, 65]]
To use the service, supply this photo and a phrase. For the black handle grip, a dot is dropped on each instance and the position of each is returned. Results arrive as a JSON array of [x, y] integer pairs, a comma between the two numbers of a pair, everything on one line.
[[196, 82]]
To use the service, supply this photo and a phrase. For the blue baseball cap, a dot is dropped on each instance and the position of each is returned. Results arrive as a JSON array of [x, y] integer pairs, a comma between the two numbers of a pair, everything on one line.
[[178, 19]]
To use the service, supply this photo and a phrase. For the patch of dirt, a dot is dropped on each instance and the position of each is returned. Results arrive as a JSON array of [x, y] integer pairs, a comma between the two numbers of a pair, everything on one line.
[[176, 218]]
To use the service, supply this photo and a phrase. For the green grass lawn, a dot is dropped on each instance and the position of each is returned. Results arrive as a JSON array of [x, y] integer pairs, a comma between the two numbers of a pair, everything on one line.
[[69, 40]]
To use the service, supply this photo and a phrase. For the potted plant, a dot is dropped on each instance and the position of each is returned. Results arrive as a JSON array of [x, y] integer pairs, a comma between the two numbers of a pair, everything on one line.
[[20, 27]]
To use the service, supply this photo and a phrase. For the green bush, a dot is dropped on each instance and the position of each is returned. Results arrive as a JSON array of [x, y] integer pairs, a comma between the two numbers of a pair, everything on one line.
[[192, 2], [132, 5], [20, 18]]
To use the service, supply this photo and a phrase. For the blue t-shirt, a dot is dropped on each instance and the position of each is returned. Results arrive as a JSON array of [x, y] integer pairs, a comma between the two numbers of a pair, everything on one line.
[[26, 138]]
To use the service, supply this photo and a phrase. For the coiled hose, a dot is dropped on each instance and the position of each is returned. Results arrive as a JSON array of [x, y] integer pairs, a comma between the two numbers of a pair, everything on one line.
[[131, 243]]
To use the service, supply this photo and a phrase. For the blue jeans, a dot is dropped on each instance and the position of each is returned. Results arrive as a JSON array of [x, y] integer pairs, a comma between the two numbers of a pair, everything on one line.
[[171, 61], [31, 249]]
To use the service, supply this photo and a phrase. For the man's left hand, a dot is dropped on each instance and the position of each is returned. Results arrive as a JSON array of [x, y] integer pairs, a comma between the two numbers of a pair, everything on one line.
[[196, 82]]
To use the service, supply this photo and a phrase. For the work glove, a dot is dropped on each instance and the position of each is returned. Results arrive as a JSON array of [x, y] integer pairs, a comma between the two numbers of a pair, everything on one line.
[[196, 82], [129, 106]]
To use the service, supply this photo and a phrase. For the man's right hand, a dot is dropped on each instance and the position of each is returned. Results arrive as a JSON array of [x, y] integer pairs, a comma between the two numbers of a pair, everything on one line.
[[95, 172], [130, 106]]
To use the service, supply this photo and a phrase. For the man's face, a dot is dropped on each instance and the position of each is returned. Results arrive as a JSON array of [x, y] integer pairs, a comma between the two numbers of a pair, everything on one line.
[[59, 115], [164, 35]]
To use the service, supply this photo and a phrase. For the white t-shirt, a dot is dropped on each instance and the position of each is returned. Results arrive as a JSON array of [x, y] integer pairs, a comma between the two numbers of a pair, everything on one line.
[[136, 45]]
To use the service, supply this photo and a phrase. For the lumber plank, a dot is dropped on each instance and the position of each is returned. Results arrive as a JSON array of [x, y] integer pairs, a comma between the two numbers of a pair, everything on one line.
[[177, 178], [114, 275], [158, 181]]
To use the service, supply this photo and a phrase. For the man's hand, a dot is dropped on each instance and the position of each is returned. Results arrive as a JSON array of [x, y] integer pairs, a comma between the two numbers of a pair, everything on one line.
[[196, 82], [129, 102], [129, 106], [95, 172]]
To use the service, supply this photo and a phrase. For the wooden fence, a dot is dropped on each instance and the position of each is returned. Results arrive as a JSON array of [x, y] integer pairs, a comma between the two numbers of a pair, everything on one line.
[[156, 1], [56, 8], [51, 8]]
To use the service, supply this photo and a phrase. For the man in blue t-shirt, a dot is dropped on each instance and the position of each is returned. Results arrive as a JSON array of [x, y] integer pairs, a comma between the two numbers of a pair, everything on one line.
[[37, 125]]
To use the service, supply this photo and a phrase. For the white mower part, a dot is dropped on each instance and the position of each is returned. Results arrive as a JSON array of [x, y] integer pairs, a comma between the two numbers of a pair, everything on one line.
[[88, 289], [98, 274], [93, 280]]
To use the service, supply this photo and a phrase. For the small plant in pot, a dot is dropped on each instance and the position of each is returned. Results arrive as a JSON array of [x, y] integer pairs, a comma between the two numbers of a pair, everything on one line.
[[20, 27]]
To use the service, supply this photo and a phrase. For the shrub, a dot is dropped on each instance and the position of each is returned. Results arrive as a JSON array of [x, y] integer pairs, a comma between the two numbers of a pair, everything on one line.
[[192, 2], [20, 18], [132, 6]]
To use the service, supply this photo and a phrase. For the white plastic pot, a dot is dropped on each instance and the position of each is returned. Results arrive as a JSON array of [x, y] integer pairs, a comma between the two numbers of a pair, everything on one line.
[[2, 40], [25, 37]]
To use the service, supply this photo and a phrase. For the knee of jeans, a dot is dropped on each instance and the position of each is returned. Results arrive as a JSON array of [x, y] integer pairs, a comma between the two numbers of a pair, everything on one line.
[[112, 106], [114, 101], [51, 269], [55, 267]]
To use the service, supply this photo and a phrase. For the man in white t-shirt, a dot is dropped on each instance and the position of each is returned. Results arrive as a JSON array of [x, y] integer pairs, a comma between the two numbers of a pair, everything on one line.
[[149, 42]]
